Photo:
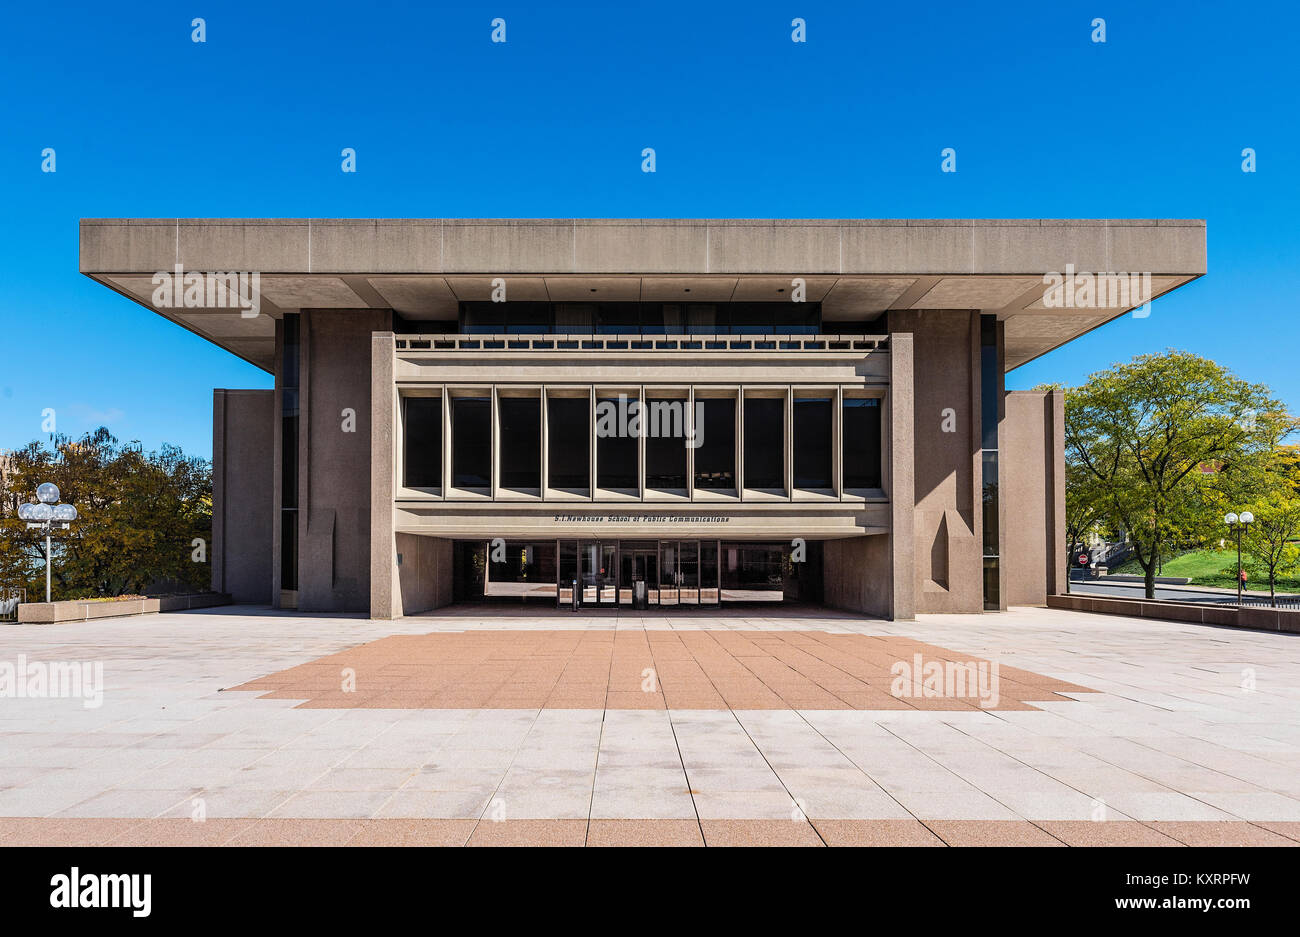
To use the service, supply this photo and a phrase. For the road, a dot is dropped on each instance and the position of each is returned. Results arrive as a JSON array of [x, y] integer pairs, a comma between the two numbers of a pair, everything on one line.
[[1135, 590]]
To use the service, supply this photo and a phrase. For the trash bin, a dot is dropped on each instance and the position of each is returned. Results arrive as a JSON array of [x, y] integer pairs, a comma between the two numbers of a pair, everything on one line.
[[639, 594], [577, 596]]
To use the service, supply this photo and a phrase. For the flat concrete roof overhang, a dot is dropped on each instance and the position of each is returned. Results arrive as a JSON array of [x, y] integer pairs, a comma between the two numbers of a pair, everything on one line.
[[856, 268]]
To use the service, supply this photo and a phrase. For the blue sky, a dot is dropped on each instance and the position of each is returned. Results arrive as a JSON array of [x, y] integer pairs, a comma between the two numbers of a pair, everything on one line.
[[746, 123]]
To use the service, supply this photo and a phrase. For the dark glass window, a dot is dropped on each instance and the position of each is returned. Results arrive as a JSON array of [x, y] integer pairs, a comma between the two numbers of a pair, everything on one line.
[[664, 424], [568, 427], [521, 441], [992, 588], [647, 318], [990, 404], [568, 569], [618, 317], [423, 457], [520, 561], [715, 457], [812, 442], [616, 447], [703, 319], [489, 317], [289, 550], [764, 431], [289, 378], [990, 500], [861, 442], [471, 442], [289, 455]]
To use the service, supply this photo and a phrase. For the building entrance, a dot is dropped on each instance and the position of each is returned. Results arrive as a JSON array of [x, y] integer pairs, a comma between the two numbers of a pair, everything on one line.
[[611, 573]]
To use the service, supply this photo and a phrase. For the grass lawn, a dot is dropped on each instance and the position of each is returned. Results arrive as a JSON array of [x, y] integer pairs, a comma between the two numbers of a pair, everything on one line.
[[1213, 568]]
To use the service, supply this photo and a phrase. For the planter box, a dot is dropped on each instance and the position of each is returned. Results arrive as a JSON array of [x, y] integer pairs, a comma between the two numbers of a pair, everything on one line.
[[47, 613], [179, 603]]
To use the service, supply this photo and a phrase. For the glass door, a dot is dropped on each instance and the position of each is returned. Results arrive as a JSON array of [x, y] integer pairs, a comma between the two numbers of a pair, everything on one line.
[[599, 572], [607, 589], [688, 571], [638, 563], [668, 582]]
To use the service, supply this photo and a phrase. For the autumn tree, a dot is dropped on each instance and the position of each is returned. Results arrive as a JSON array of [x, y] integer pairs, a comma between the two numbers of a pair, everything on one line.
[[145, 518]]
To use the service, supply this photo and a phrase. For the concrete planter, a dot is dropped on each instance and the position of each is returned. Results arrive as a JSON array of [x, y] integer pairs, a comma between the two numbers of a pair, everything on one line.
[[41, 613], [1252, 617], [48, 613], [180, 603]]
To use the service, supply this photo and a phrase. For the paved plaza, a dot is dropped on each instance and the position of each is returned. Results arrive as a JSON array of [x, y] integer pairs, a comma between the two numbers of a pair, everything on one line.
[[480, 725]]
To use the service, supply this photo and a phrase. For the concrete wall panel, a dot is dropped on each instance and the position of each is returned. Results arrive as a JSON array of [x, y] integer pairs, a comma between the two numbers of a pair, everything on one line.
[[243, 430], [336, 494], [1032, 470], [425, 572]]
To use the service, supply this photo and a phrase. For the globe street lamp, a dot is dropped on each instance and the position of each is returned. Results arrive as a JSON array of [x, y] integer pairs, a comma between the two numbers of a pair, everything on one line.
[[46, 515], [1238, 523]]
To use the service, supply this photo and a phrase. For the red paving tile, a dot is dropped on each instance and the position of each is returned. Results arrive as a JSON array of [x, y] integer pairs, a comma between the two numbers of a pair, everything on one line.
[[991, 833], [1109, 833], [650, 670], [644, 833], [759, 833], [530, 833], [876, 833], [1220, 833]]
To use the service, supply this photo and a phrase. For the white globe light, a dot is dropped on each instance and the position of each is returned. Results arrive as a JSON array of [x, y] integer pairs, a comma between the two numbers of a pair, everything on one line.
[[41, 512], [1247, 517], [25, 512], [1230, 519], [65, 512], [47, 493]]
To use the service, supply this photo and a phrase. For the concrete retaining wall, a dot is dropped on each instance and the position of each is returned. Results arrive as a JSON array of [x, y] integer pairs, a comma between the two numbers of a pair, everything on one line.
[[1259, 619]]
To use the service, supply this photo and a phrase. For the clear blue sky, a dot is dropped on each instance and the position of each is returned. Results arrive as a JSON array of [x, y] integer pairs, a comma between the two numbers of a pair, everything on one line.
[[146, 123]]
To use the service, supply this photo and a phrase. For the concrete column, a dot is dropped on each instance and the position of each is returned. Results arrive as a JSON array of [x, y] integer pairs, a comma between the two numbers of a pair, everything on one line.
[[902, 479], [1058, 563], [218, 490], [385, 596]]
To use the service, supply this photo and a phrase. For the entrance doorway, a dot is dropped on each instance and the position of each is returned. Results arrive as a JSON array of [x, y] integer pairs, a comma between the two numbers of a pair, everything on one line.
[[599, 582], [638, 563]]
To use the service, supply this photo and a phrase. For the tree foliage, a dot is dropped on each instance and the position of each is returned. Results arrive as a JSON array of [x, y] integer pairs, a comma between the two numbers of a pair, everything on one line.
[[140, 515], [1160, 442]]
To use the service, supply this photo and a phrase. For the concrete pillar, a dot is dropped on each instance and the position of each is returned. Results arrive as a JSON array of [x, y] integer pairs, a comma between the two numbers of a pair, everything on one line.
[[1058, 562], [385, 598], [902, 479]]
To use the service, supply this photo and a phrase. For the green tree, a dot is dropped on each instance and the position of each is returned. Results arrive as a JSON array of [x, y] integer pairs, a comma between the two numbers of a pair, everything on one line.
[[1159, 435], [140, 514], [1270, 540], [1085, 507]]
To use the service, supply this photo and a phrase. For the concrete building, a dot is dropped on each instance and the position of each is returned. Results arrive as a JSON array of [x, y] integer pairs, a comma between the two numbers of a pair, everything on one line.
[[658, 412]]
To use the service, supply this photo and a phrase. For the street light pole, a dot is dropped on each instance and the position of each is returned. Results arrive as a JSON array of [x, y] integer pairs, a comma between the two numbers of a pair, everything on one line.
[[1239, 565], [45, 516], [1236, 524]]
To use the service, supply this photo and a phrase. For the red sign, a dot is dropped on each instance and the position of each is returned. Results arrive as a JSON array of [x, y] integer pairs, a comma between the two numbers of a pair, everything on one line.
[[1083, 559]]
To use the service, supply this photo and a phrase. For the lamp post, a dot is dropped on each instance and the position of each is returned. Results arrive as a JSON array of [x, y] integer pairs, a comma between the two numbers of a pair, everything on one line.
[[1238, 523], [44, 516]]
